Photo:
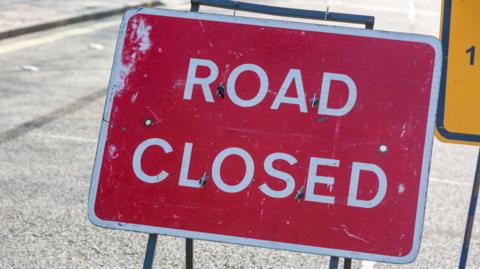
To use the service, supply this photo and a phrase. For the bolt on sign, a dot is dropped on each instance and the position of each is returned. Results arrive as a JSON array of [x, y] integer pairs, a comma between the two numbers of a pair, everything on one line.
[[458, 118], [267, 133]]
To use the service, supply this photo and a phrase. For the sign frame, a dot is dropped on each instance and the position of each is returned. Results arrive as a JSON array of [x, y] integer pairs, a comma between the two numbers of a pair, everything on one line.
[[442, 133], [426, 156]]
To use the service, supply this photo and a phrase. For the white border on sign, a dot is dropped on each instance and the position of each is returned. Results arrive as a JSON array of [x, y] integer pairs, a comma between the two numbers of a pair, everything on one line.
[[410, 257]]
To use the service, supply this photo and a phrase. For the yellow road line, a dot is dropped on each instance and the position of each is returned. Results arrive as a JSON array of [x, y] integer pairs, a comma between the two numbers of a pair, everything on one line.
[[57, 36]]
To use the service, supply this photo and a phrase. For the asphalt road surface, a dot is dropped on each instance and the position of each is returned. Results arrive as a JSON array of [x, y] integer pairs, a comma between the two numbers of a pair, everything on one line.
[[52, 89]]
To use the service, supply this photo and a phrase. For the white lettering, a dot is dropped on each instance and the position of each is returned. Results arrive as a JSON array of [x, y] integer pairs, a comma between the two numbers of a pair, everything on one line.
[[313, 179], [262, 91], [203, 82], [287, 178], [293, 75], [184, 181], [382, 185], [137, 160], [217, 164], [325, 92]]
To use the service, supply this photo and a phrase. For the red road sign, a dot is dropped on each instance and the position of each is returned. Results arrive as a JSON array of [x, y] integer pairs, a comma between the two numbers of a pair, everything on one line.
[[267, 133]]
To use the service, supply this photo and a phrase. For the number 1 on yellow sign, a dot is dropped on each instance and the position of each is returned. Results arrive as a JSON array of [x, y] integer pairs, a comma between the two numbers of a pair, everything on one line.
[[458, 115]]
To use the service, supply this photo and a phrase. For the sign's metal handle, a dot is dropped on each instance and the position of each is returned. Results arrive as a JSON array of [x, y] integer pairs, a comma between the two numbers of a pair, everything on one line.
[[368, 21], [235, 8]]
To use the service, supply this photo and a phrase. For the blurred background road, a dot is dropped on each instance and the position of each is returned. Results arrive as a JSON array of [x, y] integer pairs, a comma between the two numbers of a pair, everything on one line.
[[52, 89]]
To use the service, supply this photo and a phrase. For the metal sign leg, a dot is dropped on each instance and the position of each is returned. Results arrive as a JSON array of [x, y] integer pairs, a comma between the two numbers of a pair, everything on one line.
[[333, 263], [189, 253], [471, 216], [150, 254], [347, 263]]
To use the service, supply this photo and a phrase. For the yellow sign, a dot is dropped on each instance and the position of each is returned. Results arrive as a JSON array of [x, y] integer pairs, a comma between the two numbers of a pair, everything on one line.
[[458, 115]]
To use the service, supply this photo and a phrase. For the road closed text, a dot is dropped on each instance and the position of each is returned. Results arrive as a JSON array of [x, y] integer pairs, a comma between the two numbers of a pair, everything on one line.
[[293, 77]]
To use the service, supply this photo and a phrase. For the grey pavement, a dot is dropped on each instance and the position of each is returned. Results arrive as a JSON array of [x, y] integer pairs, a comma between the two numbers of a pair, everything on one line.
[[22, 13], [51, 100]]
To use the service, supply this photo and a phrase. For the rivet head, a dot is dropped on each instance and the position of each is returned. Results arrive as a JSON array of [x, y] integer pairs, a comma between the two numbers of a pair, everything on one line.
[[314, 101], [148, 122], [383, 148], [203, 180], [221, 91], [300, 194]]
